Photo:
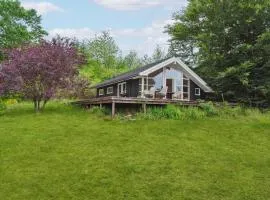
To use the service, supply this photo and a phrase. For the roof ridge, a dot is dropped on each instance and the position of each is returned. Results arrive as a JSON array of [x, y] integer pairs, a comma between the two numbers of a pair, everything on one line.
[[134, 69]]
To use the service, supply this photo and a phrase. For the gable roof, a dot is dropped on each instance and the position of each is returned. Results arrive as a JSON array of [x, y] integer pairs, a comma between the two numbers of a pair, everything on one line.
[[147, 69], [128, 75]]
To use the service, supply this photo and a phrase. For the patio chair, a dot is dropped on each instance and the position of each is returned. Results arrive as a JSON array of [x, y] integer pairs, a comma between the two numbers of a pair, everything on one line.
[[177, 95], [163, 92], [150, 93]]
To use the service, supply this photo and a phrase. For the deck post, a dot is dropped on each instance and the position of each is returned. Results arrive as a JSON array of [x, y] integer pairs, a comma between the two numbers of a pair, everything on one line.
[[144, 107], [164, 84], [188, 89], [113, 109], [182, 86], [100, 105]]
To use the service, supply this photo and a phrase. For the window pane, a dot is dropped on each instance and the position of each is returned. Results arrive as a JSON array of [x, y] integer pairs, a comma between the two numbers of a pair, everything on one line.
[[197, 91], [110, 90], [101, 91], [178, 88]]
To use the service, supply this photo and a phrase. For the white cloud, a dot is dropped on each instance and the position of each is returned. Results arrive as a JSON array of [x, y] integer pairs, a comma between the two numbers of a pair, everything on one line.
[[151, 36], [139, 4], [81, 34], [155, 29], [147, 37], [42, 7]]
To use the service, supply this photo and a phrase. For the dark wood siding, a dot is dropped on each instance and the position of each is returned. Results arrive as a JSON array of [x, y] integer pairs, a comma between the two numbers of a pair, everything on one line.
[[192, 92], [133, 88], [105, 91]]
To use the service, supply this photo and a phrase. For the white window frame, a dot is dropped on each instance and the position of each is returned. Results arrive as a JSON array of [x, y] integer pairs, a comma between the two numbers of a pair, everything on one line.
[[100, 92], [184, 86], [146, 85], [121, 86], [110, 90], [198, 91]]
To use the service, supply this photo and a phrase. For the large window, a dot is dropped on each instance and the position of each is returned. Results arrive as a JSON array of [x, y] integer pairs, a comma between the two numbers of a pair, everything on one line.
[[122, 87], [171, 73], [176, 76], [185, 87], [110, 90], [148, 83], [179, 83]]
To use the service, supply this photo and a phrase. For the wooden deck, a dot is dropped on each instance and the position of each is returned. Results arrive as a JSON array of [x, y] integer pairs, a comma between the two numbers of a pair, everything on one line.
[[130, 100]]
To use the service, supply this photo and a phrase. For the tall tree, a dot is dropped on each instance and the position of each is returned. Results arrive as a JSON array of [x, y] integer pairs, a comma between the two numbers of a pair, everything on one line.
[[103, 49], [103, 58], [132, 60], [37, 71], [183, 49], [229, 42], [158, 54], [18, 25], [146, 59]]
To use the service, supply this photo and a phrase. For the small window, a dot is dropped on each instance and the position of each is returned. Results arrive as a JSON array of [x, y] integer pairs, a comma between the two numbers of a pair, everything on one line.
[[197, 91], [110, 90], [101, 92]]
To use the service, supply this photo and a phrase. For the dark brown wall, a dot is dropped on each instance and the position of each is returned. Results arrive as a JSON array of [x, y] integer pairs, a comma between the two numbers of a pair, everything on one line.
[[105, 91], [192, 92], [132, 89]]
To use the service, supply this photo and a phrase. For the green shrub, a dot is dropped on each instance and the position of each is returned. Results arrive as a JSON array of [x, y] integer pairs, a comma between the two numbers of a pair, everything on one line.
[[99, 111], [3, 107], [193, 113], [226, 110], [153, 114], [254, 112], [11, 102], [172, 112], [209, 108], [205, 109]]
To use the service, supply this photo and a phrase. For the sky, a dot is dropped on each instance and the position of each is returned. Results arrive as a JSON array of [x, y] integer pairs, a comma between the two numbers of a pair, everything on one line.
[[134, 24]]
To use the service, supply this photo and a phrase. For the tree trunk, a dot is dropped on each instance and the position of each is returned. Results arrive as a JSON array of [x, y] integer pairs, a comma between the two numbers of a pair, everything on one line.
[[35, 106], [44, 104], [38, 105]]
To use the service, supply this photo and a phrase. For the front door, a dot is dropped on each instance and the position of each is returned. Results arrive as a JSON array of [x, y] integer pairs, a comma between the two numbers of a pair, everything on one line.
[[169, 84]]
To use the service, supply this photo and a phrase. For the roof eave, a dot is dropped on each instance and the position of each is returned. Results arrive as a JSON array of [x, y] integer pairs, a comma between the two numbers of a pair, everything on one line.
[[114, 82]]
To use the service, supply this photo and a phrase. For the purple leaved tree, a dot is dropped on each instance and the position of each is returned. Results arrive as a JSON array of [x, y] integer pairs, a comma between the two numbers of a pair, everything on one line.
[[38, 71]]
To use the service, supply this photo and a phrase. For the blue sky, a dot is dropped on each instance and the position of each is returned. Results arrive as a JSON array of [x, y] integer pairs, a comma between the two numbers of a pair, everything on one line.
[[135, 24]]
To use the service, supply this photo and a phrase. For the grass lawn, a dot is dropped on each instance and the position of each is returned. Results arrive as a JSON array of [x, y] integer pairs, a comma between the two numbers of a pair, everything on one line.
[[66, 153]]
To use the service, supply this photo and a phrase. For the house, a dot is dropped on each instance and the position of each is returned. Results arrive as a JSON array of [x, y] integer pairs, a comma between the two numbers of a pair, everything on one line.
[[162, 82], [172, 72]]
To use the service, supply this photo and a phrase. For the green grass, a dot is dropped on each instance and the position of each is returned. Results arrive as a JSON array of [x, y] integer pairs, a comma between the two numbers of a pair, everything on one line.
[[67, 153]]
